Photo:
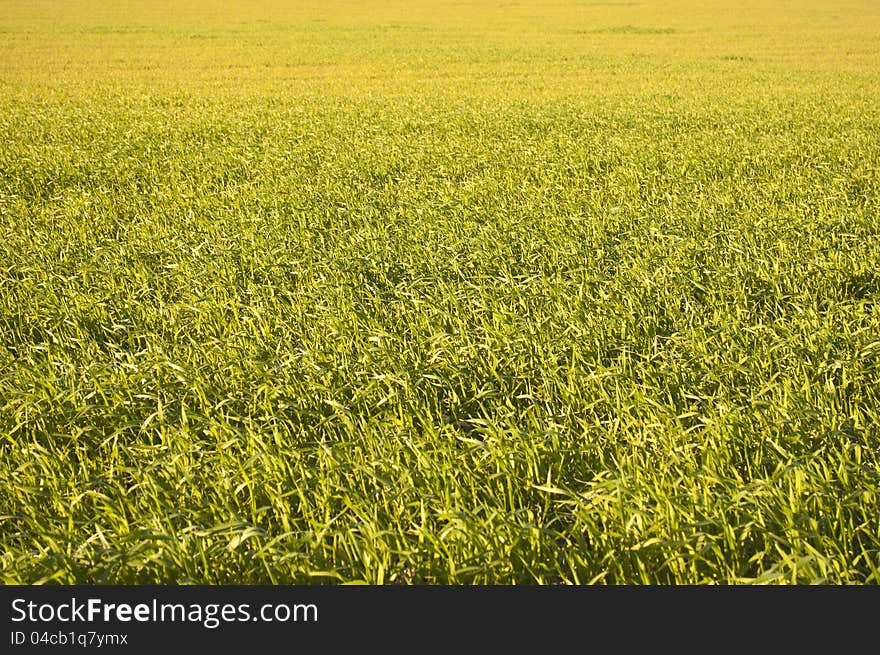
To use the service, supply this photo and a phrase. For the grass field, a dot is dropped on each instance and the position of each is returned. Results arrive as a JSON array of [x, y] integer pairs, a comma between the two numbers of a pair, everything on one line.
[[440, 292]]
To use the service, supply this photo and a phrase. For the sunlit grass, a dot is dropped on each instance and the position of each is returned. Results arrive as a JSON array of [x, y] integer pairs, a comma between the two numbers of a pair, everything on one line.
[[407, 294]]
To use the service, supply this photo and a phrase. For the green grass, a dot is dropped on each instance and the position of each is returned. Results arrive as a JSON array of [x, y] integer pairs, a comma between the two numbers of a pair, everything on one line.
[[440, 293]]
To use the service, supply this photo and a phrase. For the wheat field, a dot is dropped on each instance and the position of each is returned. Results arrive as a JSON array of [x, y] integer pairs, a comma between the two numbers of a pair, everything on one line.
[[437, 292]]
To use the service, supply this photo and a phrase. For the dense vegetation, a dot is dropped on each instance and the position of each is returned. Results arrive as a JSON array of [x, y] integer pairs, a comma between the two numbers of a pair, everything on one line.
[[435, 293]]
